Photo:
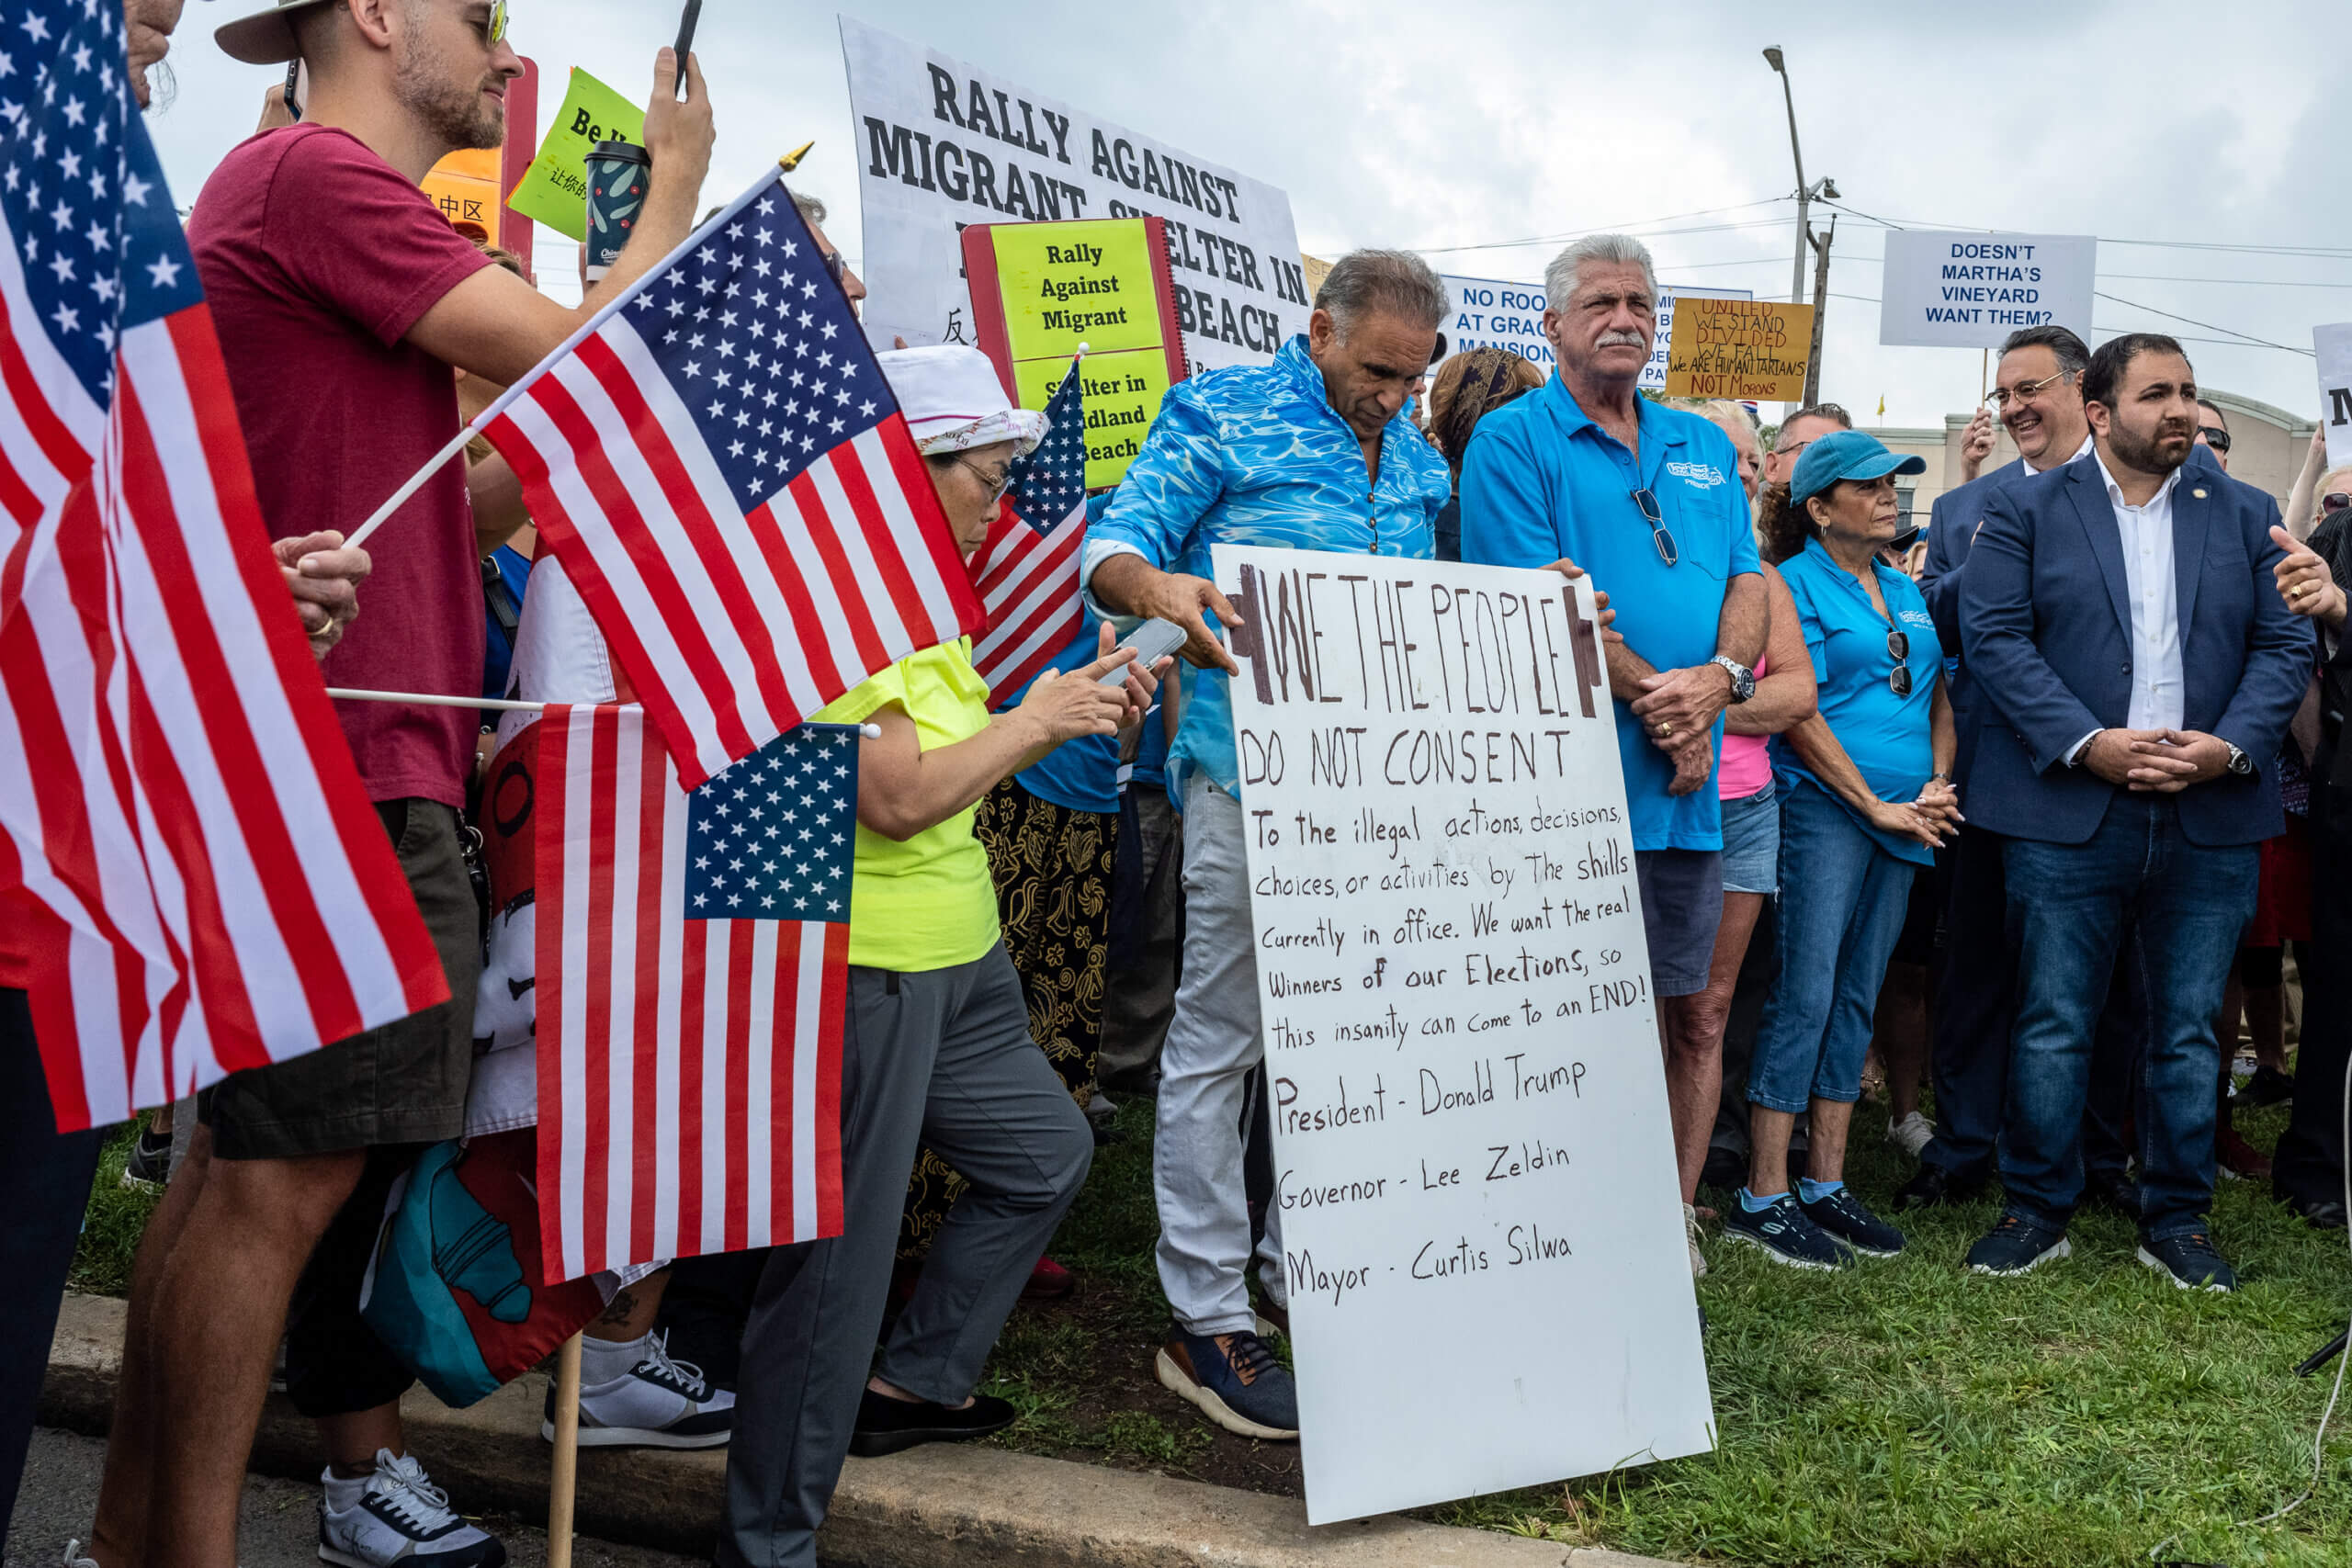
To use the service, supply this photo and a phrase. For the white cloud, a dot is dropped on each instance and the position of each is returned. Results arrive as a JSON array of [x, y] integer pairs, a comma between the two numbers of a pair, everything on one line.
[[1469, 121]]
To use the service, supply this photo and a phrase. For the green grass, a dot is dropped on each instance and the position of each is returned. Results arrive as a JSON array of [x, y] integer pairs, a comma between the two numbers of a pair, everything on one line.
[[1899, 1414], [111, 1229], [1903, 1412]]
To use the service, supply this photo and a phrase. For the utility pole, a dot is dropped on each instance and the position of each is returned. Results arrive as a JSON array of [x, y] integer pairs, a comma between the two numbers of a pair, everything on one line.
[[1821, 243], [1826, 188]]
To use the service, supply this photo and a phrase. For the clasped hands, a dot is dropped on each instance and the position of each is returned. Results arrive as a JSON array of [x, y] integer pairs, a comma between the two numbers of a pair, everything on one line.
[[2157, 762], [1677, 710]]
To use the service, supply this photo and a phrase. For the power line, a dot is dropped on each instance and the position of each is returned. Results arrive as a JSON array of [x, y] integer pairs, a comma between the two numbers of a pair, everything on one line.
[[1648, 225], [2337, 252]]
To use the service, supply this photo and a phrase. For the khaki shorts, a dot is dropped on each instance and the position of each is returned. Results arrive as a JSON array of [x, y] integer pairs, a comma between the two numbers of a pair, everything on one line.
[[404, 1083]]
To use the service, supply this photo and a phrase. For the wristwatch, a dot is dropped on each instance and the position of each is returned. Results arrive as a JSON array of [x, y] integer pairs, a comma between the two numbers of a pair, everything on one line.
[[2240, 763], [1742, 679]]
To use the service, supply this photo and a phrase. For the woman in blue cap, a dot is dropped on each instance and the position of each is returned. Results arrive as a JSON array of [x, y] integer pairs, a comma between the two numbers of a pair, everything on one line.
[[1866, 786]]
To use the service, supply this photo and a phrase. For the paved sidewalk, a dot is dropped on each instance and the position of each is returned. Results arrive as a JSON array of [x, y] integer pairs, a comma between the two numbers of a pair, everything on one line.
[[945, 1506], [279, 1527]]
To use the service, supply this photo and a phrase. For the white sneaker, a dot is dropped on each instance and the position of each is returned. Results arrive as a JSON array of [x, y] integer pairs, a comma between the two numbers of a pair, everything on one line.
[[657, 1403], [1691, 1235], [74, 1558], [1912, 1133], [397, 1516]]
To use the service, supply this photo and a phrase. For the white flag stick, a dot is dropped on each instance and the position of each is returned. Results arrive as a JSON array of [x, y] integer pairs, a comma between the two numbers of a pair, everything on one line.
[[503, 704]]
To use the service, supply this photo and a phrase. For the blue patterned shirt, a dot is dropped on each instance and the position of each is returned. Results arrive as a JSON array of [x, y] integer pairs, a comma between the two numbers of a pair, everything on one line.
[[1255, 454]]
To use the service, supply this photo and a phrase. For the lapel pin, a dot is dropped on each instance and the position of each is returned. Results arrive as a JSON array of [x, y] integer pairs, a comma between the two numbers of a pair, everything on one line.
[[2198, 494]]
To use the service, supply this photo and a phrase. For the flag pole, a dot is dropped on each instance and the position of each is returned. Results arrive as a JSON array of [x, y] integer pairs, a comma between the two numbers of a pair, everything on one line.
[[433, 466], [508, 704], [564, 1477]]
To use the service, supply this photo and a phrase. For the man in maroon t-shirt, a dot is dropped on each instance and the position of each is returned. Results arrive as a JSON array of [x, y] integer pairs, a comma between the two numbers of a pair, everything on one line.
[[343, 300]]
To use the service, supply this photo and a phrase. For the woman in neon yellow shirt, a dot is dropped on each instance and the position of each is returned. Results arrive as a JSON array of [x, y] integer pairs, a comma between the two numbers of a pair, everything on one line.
[[935, 1047]]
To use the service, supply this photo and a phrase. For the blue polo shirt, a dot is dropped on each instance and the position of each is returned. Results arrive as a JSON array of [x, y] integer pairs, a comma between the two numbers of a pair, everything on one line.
[[1542, 481], [1891, 739]]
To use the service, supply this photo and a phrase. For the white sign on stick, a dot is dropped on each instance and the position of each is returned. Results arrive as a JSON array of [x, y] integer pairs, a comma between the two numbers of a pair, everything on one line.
[[1489, 312], [1953, 289], [2334, 345], [1479, 1217], [942, 144]]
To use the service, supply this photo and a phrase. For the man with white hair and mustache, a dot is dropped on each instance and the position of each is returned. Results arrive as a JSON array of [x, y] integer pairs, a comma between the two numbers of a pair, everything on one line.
[[1648, 500]]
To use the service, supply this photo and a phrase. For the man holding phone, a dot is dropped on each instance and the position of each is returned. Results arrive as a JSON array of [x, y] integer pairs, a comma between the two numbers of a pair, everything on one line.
[[343, 300]]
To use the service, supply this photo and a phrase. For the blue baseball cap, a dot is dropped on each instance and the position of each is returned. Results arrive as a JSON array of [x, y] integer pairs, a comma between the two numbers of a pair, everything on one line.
[[1846, 455]]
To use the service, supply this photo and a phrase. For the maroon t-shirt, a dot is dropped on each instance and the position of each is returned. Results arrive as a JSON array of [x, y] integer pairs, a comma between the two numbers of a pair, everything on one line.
[[317, 257]]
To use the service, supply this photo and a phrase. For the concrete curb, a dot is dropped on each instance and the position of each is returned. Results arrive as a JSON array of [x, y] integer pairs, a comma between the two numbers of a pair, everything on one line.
[[941, 1506]]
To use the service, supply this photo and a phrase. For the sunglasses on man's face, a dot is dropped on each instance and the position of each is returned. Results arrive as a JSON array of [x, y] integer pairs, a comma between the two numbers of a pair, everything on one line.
[[2335, 501], [2215, 437]]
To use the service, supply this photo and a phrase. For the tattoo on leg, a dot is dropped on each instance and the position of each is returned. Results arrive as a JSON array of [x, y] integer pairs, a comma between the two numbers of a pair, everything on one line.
[[617, 1313]]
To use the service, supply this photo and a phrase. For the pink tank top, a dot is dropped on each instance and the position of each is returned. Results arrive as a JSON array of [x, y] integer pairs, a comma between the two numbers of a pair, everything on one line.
[[1746, 764]]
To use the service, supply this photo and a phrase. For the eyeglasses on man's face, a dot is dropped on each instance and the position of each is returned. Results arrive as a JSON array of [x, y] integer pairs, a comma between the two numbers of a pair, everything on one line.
[[2215, 437], [2023, 392]]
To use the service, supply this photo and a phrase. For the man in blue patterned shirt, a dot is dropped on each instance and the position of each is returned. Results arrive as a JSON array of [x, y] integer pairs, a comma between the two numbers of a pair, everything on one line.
[[1310, 453]]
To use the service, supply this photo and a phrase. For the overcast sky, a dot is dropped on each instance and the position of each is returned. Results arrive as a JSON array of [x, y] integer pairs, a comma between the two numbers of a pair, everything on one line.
[[1478, 121]]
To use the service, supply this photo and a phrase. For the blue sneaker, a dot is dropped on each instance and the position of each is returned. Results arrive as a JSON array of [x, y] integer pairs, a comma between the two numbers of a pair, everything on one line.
[[1235, 1380], [1845, 1218], [2016, 1245], [2191, 1261], [1784, 1233]]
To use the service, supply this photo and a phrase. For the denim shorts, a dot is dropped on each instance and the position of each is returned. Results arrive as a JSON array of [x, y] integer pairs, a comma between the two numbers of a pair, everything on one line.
[[1752, 842], [1682, 906]]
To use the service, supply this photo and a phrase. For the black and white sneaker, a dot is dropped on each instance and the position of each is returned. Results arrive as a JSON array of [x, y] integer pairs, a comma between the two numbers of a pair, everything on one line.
[[1847, 1219], [2016, 1245], [2191, 1262], [398, 1516], [149, 1164], [1784, 1233], [657, 1403]]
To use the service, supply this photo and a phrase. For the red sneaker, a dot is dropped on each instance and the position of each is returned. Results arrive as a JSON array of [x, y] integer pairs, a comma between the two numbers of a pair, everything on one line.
[[1049, 1281]]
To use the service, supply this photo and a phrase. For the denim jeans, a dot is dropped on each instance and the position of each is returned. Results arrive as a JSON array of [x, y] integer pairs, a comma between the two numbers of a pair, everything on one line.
[[2138, 892], [1842, 902]]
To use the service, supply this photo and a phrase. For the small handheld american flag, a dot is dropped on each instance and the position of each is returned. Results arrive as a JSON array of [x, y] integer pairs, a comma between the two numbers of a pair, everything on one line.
[[723, 473], [1026, 570], [693, 969], [182, 833]]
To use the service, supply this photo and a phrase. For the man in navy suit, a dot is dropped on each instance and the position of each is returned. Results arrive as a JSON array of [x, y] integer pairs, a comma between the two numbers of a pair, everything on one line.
[[2038, 387], [2138, 669]]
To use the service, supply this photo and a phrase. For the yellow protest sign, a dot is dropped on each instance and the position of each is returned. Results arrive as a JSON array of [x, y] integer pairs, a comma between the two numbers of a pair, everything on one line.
[[1122, 391], [464, 186], [1750, 349], [1042, 290], [554, 189]]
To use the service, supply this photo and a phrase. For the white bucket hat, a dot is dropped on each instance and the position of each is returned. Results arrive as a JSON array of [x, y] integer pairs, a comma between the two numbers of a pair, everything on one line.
[[953, 401]]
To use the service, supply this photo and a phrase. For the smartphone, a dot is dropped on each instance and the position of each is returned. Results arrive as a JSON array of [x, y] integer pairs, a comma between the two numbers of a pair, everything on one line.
[[298, 87], [687, 20], [1150, 642]]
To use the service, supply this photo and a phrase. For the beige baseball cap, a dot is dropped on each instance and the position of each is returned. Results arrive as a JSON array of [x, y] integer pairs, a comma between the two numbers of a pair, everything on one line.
[[266, 38]]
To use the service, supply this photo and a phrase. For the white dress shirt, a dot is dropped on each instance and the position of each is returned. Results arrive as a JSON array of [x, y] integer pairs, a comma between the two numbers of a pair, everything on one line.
[[2145, 533], [2088, 443]]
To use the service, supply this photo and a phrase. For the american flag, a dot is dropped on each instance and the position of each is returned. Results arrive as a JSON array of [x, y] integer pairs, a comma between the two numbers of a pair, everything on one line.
[[181, 825], [721, 466], [691, 972], [1026, 570]]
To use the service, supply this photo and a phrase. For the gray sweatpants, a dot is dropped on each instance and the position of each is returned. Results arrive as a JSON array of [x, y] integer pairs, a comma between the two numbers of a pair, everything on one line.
[[941, 1057], [1213, 1043]]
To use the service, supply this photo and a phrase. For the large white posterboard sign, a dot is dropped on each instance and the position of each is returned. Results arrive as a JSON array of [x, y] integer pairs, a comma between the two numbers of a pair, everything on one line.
[[1481, 1226], [2334, 345], [1953, 289], [942, 144], [1489, 312]]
